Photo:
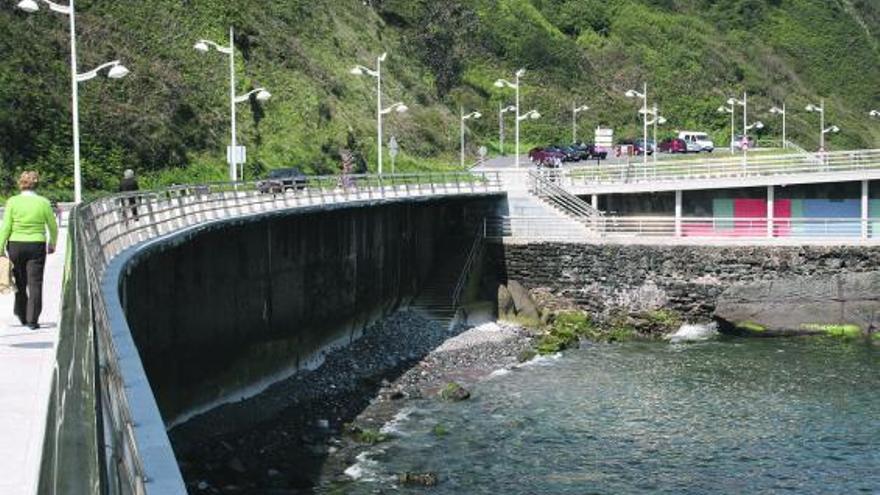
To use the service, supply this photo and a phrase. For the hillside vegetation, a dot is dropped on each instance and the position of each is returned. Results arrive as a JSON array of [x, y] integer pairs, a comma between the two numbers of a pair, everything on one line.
[[169, 119]]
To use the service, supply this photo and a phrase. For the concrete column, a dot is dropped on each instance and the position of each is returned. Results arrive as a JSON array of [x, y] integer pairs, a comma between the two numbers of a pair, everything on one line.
[[677, 213], [594, 199], [770, 213], [865, 209]]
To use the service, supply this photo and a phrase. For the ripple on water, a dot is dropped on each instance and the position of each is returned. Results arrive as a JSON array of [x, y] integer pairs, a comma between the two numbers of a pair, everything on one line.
[[727, 416]]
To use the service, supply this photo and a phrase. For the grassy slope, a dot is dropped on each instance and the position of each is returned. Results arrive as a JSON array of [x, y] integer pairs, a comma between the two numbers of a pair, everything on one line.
[[169, 119]]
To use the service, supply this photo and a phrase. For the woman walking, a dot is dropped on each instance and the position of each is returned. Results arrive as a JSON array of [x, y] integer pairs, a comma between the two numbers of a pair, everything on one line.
[[26, 219]]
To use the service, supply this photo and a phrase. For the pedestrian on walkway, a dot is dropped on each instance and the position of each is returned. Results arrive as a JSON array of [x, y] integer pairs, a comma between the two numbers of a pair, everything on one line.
[[130, 185], [26, 220]]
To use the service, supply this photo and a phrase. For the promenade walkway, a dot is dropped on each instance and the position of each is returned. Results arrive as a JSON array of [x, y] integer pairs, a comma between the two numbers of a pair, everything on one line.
[[27, 361]]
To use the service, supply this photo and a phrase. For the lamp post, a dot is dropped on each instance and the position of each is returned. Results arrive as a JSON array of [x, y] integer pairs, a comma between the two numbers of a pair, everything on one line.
[[658, 119], [472, 115], [781, 111], [745, 104], [117, 71], [644, 96], [360, 70], [822, 130], [501, 111], [501, 83], [732, 112], [575, 110]]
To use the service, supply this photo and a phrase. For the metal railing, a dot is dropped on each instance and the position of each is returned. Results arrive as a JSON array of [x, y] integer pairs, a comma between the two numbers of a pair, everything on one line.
[[472, 257], [756, 230], [724, 168], [543, 184], [100, 231]]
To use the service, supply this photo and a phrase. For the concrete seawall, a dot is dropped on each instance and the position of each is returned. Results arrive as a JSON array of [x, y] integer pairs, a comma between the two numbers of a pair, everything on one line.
[[221, 312]]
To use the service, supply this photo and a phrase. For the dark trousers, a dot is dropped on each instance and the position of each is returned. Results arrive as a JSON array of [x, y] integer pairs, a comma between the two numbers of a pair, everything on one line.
[[28, 261]]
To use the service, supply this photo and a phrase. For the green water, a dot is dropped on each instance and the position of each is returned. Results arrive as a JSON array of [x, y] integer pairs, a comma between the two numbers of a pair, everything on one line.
[[726, 416]]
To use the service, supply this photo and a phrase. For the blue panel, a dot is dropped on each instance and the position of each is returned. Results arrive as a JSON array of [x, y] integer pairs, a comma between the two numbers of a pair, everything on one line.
[[824, 208]]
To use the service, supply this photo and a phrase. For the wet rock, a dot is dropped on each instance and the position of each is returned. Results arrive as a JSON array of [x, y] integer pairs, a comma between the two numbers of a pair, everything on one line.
[[454, 392], [236, 465], [418, 479]]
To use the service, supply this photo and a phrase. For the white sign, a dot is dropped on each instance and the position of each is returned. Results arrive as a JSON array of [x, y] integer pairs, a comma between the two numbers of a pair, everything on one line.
[[604, 137], [240, 157], [393, 147]]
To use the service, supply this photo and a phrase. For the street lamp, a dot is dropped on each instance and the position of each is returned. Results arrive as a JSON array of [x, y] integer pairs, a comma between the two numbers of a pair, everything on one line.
[[874, 113], [658, 119], [821, 111], [472, 115], [360, 70], [745, 104], [781, 111], [501, 83], [205, 46], [732, 112], [574, 111], [644, 96], [501, 111], [116, 71]]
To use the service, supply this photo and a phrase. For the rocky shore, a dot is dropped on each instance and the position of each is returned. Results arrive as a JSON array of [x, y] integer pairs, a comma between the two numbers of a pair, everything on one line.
[[312, 426]]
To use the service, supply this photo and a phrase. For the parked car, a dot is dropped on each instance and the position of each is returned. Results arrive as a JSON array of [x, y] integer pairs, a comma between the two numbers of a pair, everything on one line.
[[639, 146], [546, 157], [281, 180], [738, 142], [591, 151], [673, 145], [697, 141]]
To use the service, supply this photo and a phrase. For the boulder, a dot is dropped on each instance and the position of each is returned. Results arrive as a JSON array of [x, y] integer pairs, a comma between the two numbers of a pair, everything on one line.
[[847, 303], [417, 479], [505, 303], [454, 392], [522, 301]]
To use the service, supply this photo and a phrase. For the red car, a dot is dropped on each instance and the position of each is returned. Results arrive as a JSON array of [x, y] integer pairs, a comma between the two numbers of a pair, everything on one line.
[[546, 157], [673, 145]]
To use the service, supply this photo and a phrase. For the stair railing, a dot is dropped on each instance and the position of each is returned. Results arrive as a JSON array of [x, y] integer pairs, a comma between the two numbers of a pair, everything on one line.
[[472, 257], [547, 190]]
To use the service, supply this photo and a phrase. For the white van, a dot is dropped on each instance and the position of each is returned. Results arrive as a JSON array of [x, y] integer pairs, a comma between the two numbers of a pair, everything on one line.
[[696, 141]]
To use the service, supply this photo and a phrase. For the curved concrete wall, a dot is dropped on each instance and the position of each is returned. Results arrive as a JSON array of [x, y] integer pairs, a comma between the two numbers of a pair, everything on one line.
[[220, 312]]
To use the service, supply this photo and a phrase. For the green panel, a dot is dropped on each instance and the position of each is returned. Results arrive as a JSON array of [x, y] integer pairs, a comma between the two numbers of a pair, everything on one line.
[[797, 211], [874, 212], [723, 208]]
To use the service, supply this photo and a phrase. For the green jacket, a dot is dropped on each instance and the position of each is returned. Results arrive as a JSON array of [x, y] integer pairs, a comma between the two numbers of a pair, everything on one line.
[[26, 218]]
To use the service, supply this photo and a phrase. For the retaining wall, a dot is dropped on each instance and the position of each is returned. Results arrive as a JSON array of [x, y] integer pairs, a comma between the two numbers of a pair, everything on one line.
[[687, 279], [235, 305]]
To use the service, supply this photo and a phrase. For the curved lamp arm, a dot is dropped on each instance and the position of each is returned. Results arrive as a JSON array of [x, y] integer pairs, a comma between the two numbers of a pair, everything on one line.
[[399, 107], [206, 45], [117, 71], [33, 6], [262, 95]]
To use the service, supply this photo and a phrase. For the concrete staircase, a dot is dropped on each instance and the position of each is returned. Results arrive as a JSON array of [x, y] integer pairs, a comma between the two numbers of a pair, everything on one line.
[[435, 299]]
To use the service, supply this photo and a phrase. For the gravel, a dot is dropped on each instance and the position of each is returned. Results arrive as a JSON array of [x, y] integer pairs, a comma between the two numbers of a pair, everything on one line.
[[289, 437]]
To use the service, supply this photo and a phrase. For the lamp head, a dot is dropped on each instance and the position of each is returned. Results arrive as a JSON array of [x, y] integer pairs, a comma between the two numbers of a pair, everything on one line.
[[508, 109], [834, 129], [201, 46], [812, 108], [661, 120], [383, 57], [118, 72], [357, 71], [477, 115], [263, 95], [499, 83], [402, 108], [759, 125], [631, 93], [520, 73], [874, 113], [535, 115], [732, 101], [28, 6]]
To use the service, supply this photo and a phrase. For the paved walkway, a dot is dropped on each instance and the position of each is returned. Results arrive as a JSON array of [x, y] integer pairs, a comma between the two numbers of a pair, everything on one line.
[[27, 359]]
